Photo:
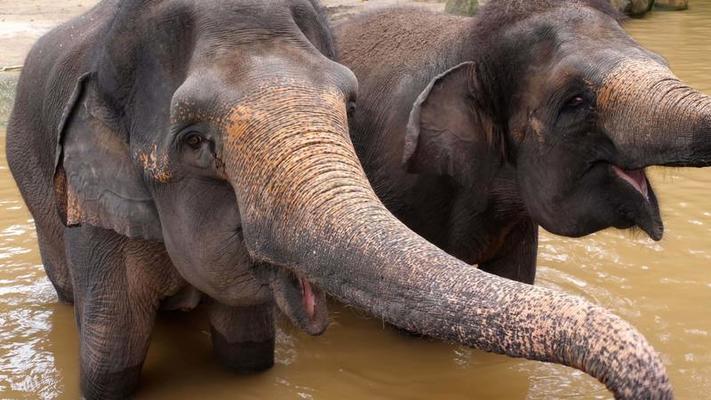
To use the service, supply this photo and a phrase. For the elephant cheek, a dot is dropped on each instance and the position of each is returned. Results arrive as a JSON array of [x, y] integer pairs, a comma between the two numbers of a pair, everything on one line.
[[223, 272]]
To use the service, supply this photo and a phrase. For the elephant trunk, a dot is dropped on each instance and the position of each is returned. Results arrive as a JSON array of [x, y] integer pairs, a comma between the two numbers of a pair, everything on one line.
[[654, 118], [306, 204]]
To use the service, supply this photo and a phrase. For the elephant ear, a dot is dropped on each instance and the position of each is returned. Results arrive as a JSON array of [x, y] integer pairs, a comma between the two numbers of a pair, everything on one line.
[[450, 134], [95, 181]]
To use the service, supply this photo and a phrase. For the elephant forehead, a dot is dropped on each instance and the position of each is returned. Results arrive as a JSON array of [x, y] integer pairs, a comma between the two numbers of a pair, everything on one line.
[[189, 111], [287, 121], [278, 138], [284, 105]]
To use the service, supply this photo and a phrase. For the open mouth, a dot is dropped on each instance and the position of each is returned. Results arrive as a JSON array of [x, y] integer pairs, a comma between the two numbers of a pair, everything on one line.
[[636, 178], [645, 214], [301, 301], [308, 298]]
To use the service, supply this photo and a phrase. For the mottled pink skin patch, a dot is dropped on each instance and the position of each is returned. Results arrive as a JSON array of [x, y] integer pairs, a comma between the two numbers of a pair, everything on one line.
[[154, 164]]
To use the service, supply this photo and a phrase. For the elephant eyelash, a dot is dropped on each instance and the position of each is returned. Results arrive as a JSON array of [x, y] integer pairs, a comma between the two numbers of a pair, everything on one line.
[[191, 136], [193, 140], [575, 102]]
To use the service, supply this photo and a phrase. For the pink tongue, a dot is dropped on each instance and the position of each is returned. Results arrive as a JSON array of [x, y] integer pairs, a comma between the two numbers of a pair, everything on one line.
[[636, 178], [308, 298]]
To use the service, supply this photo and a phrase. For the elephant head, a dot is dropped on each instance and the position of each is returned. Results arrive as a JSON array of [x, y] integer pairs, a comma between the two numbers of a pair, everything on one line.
[[144, 149], [220, 129], [562, 93]]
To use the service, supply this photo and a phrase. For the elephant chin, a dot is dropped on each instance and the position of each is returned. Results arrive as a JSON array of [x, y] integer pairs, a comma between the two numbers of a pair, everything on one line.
[[302, 302]]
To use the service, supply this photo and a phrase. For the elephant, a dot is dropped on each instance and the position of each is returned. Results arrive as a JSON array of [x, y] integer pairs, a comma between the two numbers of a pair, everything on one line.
[[167, 148], [476, 131]]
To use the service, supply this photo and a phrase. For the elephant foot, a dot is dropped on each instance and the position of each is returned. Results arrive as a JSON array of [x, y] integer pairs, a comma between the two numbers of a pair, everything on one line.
[[243, 357], [243, 337], [110, 386]]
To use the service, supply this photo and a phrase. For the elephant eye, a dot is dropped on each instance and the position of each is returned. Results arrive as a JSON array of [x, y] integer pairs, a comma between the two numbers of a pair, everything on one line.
[[193, 140], [351, 107], [575, 102]]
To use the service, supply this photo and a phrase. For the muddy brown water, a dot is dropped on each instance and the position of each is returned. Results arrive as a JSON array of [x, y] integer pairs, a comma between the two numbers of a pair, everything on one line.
[[664, 289]]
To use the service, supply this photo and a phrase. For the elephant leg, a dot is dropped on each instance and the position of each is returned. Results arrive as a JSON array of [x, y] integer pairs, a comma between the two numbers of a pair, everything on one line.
[[516, 259], [51, 246], [118, 284], [243, 337], [37, 191]]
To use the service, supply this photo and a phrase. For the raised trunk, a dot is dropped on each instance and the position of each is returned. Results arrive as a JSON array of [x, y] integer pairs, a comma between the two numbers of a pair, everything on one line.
[[307, 205], [654, 118]]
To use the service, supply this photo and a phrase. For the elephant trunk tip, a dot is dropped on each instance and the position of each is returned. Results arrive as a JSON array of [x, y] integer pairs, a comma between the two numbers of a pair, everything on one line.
[[622, 358]]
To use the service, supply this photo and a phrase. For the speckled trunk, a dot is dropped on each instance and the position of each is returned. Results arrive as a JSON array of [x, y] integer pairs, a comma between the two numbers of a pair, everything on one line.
[[307, 204], [662, 121]]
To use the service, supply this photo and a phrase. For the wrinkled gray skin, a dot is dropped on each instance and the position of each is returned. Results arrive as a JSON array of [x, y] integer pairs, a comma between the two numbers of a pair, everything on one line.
[[474, 131], [166, 144]]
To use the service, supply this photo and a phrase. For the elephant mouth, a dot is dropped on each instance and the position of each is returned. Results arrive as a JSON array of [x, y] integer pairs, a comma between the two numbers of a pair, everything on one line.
[[308, 298], [301, 301], [643, 209], [636, 178]]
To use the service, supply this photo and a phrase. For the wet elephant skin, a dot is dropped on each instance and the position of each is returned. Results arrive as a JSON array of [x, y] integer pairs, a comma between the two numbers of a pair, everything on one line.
[[476, 131], [161, 144]]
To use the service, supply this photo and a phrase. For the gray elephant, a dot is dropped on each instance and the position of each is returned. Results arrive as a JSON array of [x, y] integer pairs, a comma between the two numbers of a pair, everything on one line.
[[475, 131], [168, 144]]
